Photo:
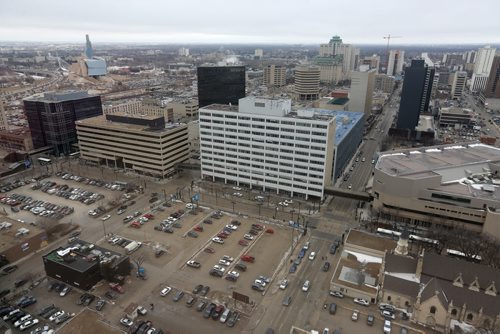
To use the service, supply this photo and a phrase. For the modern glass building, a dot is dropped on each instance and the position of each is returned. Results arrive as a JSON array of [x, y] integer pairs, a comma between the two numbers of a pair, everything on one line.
[[220, 84], [52, 115]]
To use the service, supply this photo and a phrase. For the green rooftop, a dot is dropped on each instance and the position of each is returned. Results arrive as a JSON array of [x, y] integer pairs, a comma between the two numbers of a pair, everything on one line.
[[339, 101]]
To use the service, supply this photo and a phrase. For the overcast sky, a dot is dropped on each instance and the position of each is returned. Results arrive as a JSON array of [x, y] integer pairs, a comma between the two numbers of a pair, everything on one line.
[[251, 21]]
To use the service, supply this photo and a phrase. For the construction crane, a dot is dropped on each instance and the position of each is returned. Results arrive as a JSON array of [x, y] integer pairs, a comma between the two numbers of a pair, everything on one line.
[[388, 38]]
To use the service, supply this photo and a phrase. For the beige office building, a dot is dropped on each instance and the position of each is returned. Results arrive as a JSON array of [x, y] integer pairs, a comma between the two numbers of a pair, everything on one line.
[[275, 75], [307, 82], [361, 91], [183, 111], [145, 145], [458, 85], [440, 185]]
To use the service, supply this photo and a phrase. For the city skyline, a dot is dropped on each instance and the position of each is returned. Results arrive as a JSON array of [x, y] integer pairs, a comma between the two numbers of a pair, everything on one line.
[[262, 22]]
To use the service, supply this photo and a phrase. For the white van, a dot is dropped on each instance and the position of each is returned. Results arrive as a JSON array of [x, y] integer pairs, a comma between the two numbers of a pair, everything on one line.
[[224, 315]]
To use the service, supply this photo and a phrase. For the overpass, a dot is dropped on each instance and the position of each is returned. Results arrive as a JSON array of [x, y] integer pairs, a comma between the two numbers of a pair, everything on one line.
[[340, 192]]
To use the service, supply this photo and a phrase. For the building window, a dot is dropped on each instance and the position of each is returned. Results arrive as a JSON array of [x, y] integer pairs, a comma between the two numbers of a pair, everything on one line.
[[433, 310], [470, 317], [454, 312], [388, 298]]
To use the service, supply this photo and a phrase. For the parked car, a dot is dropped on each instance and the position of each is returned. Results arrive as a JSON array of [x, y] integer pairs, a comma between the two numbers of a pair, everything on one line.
[[333, 308], [370, 320], [126, 322], [287, 300], [204, 291], [194, 264], [197, 289], [165, 291], [100, 304], [326, 266], [178, 296], [283, 284], [201, 305], [337, 294], [361, 301], [190, 300], [355, 315], [306, 286], [248, 258]]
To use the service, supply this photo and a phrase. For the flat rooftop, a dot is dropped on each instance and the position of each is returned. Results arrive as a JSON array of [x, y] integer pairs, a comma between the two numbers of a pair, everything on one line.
[[371, 241], [415, 162], [58, 96], [356, 273], [346, 120], [80, 253], [463, 168], [101, 121], [339, 101]]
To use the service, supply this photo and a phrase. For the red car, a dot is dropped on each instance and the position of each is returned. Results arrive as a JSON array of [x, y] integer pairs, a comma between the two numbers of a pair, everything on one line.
[[198, 228], [135, 225], [257, 227], [117, 287], [222, 235], [270, 231], [248, 258], [209, 250], [149, 216], [243, 242]]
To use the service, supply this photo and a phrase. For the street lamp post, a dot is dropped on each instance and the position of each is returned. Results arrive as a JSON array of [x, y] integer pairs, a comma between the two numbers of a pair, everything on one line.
[[233, 202]]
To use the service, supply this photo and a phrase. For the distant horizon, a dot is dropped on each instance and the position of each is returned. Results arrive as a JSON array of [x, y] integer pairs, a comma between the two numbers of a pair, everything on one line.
[[240, 43]]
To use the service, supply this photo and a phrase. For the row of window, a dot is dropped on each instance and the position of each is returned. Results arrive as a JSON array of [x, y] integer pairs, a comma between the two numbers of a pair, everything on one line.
[[255, 119]]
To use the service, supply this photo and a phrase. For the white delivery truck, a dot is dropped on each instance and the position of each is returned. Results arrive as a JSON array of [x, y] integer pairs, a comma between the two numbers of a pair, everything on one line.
[[132, 247]]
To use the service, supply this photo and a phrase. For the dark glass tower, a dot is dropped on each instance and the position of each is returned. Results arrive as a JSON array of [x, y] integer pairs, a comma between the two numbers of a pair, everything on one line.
[[416, 94], [52, 116], [220, 84]]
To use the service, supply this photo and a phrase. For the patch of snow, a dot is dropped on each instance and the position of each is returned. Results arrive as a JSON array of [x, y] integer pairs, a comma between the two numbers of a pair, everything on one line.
[[405, 276], [466, 328], [365, 258]]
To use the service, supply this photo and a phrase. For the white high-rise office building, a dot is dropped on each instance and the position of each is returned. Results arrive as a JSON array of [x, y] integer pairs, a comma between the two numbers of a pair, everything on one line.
[[482, 68], [262, 144], [259, 53], [458, 85], [395, 63], [361, 91]]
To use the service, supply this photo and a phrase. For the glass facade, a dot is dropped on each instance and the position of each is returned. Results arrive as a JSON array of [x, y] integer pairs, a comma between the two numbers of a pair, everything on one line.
[[222, 85]]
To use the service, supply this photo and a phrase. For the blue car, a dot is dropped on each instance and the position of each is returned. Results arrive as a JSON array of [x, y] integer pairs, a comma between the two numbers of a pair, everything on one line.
[[302, 253], [27, 302], [293, 268]]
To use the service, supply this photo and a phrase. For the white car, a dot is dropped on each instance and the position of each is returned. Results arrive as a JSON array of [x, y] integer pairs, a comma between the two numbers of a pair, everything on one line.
[[387, 327], [237, 188], [224, 262], [388, 314], [306, 286], [283, 284], [289, 201], [29, 323], [126, 322], [248, 237], [234, 273], [218, 240], [165, 291], [232, 227], [219, 268], [355, 315], [228, 258], [142, 310], [106, 217], [189, 206], [283, 203], [65, 291], [238, 194], [260, 282], [56, 315], [22, 320], [361, 301], [312, 256]]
